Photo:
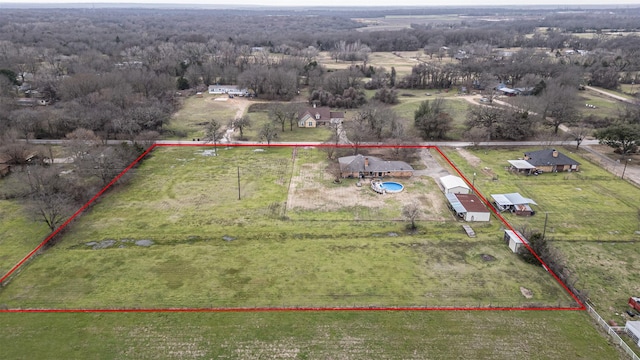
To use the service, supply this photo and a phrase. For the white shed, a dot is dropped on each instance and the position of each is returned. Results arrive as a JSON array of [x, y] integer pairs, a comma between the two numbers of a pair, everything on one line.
[[454, 185], [515, 240], [632, 328], [469, 207]]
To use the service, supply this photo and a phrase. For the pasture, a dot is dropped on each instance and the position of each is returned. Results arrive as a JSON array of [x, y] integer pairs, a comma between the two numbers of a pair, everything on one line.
[[177, 236]]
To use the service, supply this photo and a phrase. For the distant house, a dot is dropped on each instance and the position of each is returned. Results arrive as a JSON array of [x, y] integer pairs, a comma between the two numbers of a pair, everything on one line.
[[551, 160], [360, 166], [228, 89], [319, 116], [469, 207], [454, 185], [515, 240], [514, 203]]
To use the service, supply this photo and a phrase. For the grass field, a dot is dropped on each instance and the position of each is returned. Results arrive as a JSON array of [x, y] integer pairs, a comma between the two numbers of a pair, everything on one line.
[[188, 123], [211, 249], [308, 335], [18, 234]]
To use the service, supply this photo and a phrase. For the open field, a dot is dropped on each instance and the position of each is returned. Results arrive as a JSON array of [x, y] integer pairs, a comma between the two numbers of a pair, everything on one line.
[[305, 335], [197, 111], [206, 248]]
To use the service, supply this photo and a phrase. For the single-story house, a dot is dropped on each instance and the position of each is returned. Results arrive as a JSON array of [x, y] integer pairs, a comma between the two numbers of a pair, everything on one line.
[[632, 328], [515, 240], [319, 116], [551, 160], [515, 203], [454, 185], [469, 207], [227, 89], [360, 166]]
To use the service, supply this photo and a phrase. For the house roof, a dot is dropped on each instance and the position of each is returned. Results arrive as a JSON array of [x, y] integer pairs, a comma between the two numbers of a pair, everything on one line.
[[521, 164], [511, 199], [356, 163], [450, 182], [463, 203], [545, 157], [324, 112]]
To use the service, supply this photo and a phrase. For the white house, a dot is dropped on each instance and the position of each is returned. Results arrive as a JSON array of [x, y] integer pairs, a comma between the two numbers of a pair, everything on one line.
[[227, 89], [515, 240], [454, 185]]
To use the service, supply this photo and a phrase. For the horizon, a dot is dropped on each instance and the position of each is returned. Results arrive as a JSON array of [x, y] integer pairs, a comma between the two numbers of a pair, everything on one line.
[[382, 4]]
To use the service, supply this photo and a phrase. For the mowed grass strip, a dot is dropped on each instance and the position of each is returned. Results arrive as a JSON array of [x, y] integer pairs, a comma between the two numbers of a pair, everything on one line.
[[211, 249], [308, 335]]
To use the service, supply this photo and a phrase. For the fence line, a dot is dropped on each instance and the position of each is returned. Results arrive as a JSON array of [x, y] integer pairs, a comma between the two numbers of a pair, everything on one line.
[[612, 332]]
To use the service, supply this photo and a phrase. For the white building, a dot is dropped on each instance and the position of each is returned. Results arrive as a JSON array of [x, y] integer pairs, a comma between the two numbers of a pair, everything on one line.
[[632, 328], [454, 185], [227, 89], [515, 240], [469, 207]]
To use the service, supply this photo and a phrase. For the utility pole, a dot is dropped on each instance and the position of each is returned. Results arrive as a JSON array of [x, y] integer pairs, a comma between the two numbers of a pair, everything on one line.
[[625, 168], [544, 231], [238, 182]]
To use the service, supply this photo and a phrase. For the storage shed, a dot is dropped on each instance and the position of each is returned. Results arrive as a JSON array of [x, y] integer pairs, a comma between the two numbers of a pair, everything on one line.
[[632, 328], [454, 185], [515, 240], [468, 206]]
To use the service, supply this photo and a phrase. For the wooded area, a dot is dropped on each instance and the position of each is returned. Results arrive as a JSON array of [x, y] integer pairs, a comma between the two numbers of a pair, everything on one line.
[[90, 75]]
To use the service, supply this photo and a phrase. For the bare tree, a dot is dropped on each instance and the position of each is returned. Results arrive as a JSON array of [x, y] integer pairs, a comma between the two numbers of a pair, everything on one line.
[[213, 133], [268, 133], [48, 201], [241, 123], [411, 212]]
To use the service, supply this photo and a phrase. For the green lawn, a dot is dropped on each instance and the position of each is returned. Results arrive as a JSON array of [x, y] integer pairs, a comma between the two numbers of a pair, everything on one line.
[[305, 335], [211, 249], [18, 234]]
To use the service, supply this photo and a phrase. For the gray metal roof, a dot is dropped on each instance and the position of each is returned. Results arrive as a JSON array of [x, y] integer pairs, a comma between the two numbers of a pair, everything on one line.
[[511, 199], [521, 164], [455, 203]]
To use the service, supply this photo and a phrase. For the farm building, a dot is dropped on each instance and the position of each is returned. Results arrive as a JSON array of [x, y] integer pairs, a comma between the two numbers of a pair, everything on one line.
[[319, 116], [515, 240], [360, 166], [514, 203], [454, 185], [551, 160], [632, 328], [468, 206], [227, 89]]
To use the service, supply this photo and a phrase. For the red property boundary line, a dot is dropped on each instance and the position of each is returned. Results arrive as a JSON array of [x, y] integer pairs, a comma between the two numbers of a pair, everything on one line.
[[16, 267]]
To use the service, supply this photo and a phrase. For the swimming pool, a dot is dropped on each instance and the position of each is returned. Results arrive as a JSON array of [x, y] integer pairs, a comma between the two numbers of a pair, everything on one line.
[[392, 187]]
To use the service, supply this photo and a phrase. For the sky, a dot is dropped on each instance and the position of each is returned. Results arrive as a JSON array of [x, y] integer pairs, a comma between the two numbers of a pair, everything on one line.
[[333, 3]]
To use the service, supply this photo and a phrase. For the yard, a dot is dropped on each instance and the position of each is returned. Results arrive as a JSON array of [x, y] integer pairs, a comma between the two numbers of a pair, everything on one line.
[[591, 218]]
